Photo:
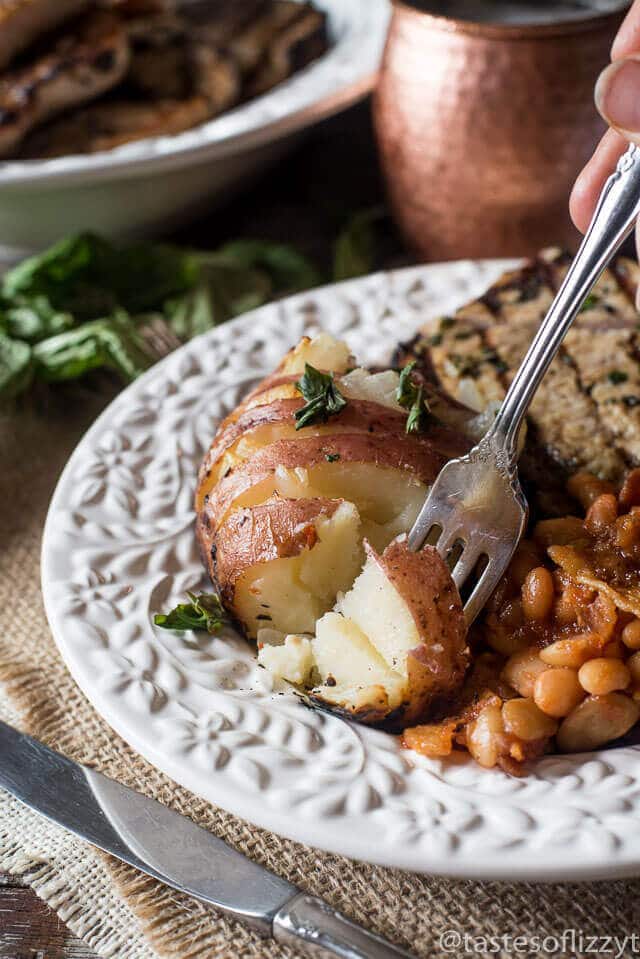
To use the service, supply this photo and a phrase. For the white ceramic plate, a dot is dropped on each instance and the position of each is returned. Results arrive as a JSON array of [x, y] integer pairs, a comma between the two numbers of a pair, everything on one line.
[[119, 546], [155, 183]]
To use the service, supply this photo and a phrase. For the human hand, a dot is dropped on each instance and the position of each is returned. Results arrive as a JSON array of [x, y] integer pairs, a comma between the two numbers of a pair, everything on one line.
[[617, 97]]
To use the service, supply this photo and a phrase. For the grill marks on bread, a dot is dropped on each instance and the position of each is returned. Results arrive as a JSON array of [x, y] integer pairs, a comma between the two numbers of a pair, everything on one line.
[[139, 69], [79, 66], [586, 414], [23, 21]]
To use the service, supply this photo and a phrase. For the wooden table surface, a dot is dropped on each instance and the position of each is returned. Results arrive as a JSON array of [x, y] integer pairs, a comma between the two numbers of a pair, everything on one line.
[[305, 200]]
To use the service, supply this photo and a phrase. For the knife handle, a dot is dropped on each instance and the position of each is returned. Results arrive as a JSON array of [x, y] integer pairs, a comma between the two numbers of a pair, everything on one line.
[[310, 925]]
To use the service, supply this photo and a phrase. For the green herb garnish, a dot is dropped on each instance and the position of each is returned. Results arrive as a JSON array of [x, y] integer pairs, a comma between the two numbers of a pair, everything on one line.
[[410, 395], [204, 612], [589, 303], [332, 457], [617, 376], [81, 304], [355, 249], [323, 397]]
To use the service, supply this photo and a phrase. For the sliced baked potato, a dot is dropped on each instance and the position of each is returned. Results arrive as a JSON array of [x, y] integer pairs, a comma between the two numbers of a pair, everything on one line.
[[393, 646], [284, 511]]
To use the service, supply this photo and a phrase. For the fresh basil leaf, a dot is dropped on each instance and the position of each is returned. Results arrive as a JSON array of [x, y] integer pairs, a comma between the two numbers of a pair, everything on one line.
[[355, 249], [323, 397], [111, 343], [15, 366], [410, 395], [203, 612], [287, 269], [222, 290], [34, 320], [89, 277], [590, 302]]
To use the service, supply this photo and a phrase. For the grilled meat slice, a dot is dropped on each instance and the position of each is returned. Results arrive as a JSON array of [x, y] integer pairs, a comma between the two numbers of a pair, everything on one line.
[[250, 46], [217, 22], [297, 45], [80, 65], [159, 65], [109, 124], [173, 70], [215, 76], [139, 8], [586, 414], [170, 61], [23, 21]]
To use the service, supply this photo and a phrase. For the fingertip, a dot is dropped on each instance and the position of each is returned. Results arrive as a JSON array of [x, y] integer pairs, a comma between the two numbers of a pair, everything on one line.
[[627, 39], [590, 181], [580, 206]]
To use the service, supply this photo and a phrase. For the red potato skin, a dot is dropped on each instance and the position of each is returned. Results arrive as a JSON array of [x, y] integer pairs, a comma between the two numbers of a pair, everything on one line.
[[422, 460], [277, 529], [360, 416], [437, 667]]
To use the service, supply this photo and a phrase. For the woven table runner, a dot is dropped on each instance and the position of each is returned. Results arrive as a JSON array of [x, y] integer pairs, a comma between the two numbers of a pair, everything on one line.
[[122, 914]]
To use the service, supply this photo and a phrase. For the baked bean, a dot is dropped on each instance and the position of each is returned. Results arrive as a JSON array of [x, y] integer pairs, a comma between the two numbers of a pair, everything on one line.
[[526, 557], [537, 594], [523, 719], [630, 492], [631, 634], [504, 641], [633, 665], [602, 513], [558, 532], [596, 721], [499, 595], [572, 652], [628, 532], [511, 613], [585, 487], [522, 670], [601, 676], [483, 736], [614, 650], [557, 692]]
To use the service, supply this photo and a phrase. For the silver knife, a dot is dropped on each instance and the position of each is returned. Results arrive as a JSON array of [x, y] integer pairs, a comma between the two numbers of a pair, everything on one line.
[[171, 848]]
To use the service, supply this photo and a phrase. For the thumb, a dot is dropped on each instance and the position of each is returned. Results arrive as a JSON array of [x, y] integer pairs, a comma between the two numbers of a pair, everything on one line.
[[617, 96]]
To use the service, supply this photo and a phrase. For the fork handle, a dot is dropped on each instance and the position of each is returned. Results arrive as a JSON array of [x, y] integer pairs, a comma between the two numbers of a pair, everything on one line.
[[613, 221]]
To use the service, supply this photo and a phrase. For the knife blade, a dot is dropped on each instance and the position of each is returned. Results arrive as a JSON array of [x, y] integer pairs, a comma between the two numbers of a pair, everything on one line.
[[172, 848]]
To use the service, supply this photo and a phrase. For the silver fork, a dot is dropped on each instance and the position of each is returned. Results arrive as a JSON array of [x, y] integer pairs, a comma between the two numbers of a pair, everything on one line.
[[476, 502]]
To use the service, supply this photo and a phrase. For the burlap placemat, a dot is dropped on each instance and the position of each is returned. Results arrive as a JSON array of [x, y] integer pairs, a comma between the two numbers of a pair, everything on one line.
[[121, 914]]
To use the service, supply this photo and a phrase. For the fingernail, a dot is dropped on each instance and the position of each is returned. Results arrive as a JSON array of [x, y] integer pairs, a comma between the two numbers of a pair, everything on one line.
[[617, 94]]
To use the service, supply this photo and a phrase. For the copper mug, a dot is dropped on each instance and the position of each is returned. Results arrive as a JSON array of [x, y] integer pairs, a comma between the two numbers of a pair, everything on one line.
[[483, 127]]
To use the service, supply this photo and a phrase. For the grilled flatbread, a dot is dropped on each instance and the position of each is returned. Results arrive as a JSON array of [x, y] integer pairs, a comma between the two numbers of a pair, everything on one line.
[[23, 21], [586, 413], [80, 65]]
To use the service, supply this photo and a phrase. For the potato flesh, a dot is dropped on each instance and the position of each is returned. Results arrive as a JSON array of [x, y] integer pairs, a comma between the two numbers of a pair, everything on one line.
[[344, 654], [323, 352], [292, 660], [360, 648], [387, 500], [290, 594], [380, 388], [380, 613]]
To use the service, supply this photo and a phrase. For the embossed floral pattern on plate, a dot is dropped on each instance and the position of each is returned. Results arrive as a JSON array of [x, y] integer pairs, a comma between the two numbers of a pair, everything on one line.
[[119, 546]]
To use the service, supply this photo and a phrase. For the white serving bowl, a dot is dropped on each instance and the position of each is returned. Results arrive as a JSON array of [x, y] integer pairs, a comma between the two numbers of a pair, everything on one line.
[[154, 184]]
